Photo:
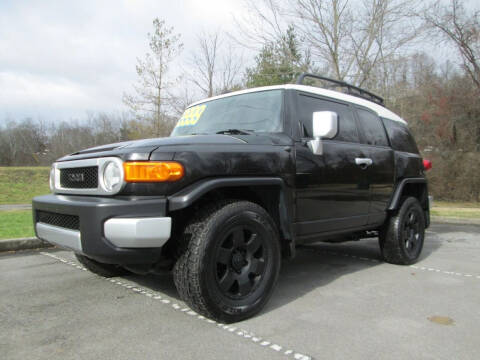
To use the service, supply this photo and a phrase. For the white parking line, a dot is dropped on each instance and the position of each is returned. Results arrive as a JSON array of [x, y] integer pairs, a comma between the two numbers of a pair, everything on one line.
[[443, 271], [423, 268], [248, 335]]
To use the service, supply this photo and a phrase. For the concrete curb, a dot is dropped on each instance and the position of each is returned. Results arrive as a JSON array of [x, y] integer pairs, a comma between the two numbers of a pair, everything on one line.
[[453, 220], [23, 244]]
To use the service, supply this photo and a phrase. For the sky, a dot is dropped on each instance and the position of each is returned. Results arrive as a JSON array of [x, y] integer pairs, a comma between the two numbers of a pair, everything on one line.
[[59, 59]]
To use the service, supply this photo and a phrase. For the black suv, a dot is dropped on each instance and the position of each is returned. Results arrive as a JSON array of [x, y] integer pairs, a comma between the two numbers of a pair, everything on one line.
[[242, 180]]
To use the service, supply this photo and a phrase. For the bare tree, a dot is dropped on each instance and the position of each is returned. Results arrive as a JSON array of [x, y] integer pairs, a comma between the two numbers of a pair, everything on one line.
[[327, 27], [150, 98], [355, 38], [216, 66], [346, 39], [231, 66], [264, 22], [105, 127], [23, 142], [205, 61], [463, 29], [182, 100]]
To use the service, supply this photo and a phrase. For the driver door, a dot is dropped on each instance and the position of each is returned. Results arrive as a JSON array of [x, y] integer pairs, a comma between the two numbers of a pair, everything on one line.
[[332, 192]]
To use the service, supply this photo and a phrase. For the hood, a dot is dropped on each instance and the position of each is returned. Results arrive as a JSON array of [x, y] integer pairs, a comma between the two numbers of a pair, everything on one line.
[[189, 140], [179, 140], [143, 148]]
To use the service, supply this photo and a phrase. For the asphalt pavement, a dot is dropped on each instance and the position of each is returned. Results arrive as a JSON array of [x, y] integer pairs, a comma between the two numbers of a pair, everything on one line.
[[333, 301]]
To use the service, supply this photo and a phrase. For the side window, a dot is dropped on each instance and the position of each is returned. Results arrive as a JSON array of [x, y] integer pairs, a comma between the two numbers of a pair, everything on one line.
[[372, 128], [347, 129], [400, 136]]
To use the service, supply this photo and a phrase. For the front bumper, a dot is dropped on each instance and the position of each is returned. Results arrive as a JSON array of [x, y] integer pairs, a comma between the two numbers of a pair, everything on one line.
[[121, 230]]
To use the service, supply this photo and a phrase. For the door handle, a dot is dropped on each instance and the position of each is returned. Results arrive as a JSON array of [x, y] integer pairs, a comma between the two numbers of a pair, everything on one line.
[[363, 162]]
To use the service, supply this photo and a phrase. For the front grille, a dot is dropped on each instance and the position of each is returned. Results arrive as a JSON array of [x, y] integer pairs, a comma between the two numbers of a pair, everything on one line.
[[61, 220], [79, 178]]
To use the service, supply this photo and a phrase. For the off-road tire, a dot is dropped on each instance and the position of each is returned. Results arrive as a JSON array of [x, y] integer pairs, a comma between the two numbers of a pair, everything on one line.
[[393, 239], [196, 272], [105, 270]]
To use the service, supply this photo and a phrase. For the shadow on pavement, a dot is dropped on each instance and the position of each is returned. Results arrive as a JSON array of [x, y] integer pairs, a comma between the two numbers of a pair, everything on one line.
[[162, 283], [314, 266], [317, 265]]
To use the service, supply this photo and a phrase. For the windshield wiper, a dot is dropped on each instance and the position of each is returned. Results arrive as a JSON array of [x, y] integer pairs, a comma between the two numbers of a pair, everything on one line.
[[236, 132]]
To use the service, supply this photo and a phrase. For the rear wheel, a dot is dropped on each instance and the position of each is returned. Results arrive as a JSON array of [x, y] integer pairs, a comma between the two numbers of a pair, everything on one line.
[[105, 270], [230, 262], [401, 240]]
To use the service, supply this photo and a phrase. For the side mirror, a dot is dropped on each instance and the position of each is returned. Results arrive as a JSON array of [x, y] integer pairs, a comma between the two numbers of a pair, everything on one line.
[[324, 125]]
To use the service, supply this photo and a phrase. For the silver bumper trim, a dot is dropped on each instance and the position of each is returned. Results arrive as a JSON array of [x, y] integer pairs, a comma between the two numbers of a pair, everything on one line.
[[66, 238], [138, 232]]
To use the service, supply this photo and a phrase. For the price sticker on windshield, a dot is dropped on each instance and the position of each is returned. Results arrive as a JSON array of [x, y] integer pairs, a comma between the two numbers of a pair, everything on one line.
[[191, 115]]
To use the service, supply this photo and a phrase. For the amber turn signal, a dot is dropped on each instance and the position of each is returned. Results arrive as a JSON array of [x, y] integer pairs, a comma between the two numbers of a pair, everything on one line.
[[153, 171]]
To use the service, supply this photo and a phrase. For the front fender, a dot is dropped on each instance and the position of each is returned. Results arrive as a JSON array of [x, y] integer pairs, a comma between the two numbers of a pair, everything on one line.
[[194, 192]]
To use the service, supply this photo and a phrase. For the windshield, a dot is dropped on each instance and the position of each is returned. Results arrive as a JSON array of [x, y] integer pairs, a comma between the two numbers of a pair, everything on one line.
[[246, 113]]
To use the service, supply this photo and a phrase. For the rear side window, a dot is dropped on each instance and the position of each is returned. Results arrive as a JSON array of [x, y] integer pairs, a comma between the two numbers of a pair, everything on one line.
[[347, 129], [372, 128], [400, 136]]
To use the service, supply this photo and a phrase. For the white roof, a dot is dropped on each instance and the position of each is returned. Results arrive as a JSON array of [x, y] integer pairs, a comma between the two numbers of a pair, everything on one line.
[[378, 109]]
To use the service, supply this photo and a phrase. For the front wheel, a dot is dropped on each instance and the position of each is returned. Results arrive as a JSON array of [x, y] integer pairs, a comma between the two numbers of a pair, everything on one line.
[[230, 262], [401, 240]]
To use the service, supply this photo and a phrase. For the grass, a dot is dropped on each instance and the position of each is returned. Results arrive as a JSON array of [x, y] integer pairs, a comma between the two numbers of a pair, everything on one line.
[[447, 204], [18, 185], [463, 210], [16, 224], [456, 212]]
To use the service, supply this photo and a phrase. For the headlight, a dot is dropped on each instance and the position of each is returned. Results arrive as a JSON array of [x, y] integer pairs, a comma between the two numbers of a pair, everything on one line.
[[112, 176], [52, 178]]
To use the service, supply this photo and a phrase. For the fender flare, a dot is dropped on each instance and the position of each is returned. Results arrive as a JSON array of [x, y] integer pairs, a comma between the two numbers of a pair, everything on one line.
[[195, 191], [395, 202]]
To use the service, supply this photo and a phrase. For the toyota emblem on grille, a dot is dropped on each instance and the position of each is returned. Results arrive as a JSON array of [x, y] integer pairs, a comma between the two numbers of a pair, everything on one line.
[[76, 177]]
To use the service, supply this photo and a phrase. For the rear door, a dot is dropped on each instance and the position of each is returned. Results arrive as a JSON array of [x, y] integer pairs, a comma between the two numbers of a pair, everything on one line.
[[380, 174], [331, 190]]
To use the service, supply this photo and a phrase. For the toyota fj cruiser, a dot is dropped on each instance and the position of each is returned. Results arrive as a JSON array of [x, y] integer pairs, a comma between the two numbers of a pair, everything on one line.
[[242, 180]]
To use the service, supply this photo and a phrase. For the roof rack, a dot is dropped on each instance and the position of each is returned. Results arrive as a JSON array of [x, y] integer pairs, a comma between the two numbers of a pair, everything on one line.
[[351, 89]]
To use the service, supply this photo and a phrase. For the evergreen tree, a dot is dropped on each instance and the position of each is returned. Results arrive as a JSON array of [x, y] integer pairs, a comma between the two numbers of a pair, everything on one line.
[[278, 62]]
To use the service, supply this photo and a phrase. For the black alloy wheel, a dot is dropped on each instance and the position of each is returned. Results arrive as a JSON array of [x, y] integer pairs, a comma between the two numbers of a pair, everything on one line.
[[240, 262], [402, 236], [229, 262], [411, 232]]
